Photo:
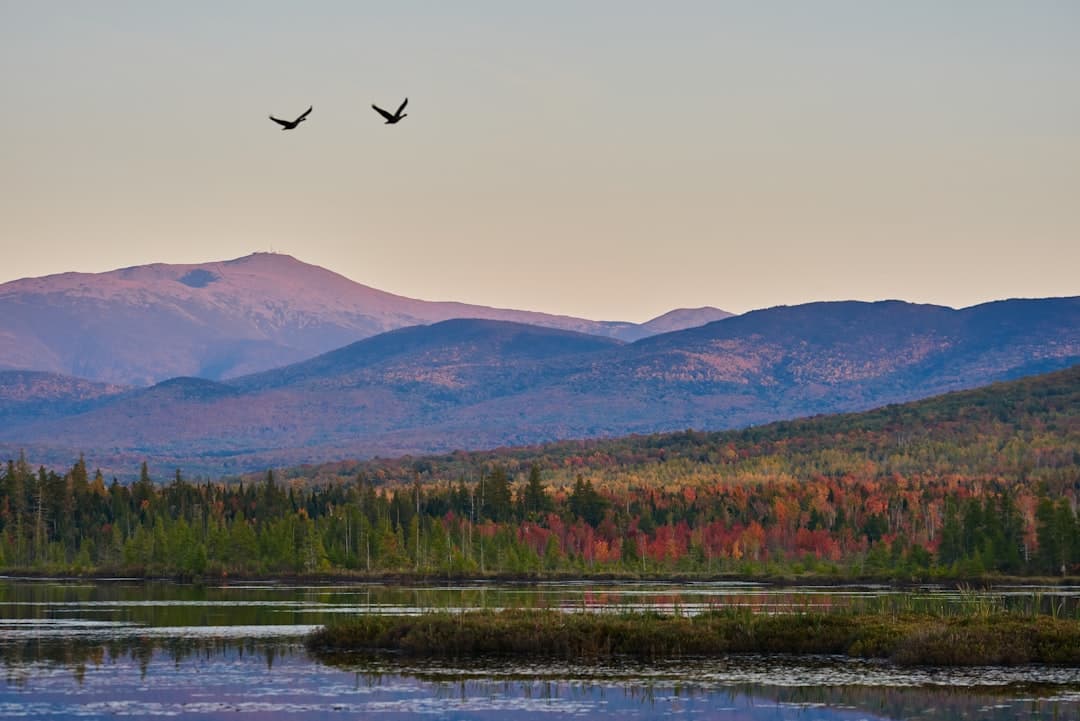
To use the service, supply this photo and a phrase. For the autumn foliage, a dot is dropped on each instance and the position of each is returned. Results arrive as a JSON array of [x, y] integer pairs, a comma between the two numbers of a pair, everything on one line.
[[970, 483]]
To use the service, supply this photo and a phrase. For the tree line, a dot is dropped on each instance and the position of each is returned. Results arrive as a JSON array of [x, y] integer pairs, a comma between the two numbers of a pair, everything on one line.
[[495, 524], [967, 484]]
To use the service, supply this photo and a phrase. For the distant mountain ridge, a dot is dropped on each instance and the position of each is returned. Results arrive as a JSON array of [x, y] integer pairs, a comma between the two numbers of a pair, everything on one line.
[[474, 384], [34, 395], [143, 324], [682, 318], [1041, 406]]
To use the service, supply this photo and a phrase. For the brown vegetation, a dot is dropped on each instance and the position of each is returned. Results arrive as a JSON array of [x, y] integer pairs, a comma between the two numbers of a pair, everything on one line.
[[909, 639]]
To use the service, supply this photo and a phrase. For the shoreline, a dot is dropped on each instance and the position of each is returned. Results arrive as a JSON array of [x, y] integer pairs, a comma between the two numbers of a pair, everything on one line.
[[435, 580]]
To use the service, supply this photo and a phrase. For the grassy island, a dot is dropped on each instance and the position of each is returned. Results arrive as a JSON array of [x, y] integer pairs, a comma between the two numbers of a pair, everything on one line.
[[908, 639]]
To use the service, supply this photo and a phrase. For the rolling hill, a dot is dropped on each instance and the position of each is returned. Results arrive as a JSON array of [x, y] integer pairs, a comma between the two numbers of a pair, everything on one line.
[[471, 384], [953, 433], [36, 395]]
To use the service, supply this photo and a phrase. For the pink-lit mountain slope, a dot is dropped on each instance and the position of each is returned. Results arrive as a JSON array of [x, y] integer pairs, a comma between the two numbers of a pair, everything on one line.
[[680, 319], [217, 320]]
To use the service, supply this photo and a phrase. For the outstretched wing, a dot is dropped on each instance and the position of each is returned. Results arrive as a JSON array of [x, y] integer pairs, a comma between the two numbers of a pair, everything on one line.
[[402, 107], [304, 115], [284, 123], [382, 112]]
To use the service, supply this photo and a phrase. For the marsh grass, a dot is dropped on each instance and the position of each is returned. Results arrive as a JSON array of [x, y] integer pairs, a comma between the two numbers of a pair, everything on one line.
[[983, 636]]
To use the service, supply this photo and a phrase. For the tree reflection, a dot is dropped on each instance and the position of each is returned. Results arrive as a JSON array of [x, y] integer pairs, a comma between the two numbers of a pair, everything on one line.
[[621, 688]]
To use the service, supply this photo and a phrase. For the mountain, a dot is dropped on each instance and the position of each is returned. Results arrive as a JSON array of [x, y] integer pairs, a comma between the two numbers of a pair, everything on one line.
[[322, 406], [678, 319], [943, 434], [35, 395], [140, 325], [843, 355], [471, 384]]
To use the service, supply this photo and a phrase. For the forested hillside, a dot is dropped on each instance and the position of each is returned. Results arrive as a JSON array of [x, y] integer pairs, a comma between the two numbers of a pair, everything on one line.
[[474, 383], [975, 482]]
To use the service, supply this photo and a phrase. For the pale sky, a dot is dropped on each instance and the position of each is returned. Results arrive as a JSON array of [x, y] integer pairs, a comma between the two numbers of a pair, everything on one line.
[[606, 159]]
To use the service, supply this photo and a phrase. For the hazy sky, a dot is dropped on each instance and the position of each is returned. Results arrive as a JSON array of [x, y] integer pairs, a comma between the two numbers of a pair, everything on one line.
[[603, 159]]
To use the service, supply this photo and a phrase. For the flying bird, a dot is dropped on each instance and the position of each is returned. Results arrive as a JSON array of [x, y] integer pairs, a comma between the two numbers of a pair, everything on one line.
[[290, 124], [391, 119]]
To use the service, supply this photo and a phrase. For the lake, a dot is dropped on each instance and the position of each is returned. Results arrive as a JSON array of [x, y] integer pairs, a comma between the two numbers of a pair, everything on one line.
[[121, 648]]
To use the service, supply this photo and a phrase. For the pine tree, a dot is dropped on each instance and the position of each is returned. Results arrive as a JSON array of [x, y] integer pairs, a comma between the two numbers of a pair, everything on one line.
[[498, 501], [1008, 536], [536, 500], [312, 554], [1049, 556], [40, 496], [17, 491], [586, 503], [951, 548], [143, 491]]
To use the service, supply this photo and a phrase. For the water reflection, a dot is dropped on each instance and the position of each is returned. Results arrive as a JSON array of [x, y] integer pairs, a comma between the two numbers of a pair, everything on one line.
[[145, 649], [277, 680], [184, 605]]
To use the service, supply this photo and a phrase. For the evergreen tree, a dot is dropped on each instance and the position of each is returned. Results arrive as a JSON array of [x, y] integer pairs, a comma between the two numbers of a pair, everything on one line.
[[951, 548], [536, 500], [1050, 556], [586, 504], [142, 492], [1066, 529], [310, 549], [498, 501], [1008, 535], [973, 527], [243, 543]]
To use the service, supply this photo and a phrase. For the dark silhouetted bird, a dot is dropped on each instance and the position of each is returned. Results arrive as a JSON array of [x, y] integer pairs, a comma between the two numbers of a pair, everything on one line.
[[290, 124], [391, 119]]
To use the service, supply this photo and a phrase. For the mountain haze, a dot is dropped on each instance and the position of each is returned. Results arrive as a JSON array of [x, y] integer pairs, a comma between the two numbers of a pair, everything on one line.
[[141, 325], [34, 395], [472, 384]]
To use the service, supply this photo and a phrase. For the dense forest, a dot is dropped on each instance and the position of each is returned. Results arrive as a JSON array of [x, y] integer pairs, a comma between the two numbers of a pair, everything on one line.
[[963, 485]]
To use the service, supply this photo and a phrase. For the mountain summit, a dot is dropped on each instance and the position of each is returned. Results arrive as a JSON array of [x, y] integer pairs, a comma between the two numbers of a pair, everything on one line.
[[143, 324]]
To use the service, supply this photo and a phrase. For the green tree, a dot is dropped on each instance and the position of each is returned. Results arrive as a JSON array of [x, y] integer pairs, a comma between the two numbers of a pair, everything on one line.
[[498, 500], [586, 503], [243, 544], [1054, 526], [309, 546], [277, 545], [139, 549], [951, 548], [535, 498]]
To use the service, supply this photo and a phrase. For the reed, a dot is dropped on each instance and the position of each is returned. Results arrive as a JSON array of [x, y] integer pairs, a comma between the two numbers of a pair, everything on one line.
[[981, 638]]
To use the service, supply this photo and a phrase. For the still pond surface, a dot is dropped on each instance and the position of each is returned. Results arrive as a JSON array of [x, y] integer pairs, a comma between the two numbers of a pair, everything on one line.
[[127, 649]]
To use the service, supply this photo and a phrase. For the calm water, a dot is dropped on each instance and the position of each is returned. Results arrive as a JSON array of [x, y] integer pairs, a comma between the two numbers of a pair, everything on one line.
[[135, 650]]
